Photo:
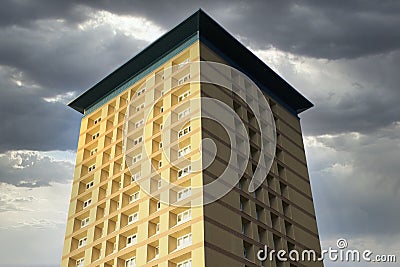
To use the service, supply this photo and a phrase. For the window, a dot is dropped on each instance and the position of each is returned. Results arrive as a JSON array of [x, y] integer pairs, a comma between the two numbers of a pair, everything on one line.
[[135, 196], [161, 126], [243, 203], [261, 234], [89, 185], [136, 177], [259, 211], [184, 216], [184, 131], [137, 158], [139, 123], [184, 79], [240, 184], [92, 167], [87, 203], [159, 164], [85, 222], [141, 91], [96, 135], [133, 218], [97, 120], [130, 262], [82, 242], [184, 151], [161, 109], [93, 151], [158, 205], [80, 262], [180, 65], [183, 96], [118, 205], [138, 140], [160, 145], [156, 252], [183, 113], [159, 183], [187, 263], [138, 108], [157, 228], [185, 171], [184, 241], [184, 193], [131, 240]]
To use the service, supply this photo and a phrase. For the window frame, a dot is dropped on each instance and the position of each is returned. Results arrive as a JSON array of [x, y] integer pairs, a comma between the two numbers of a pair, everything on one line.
[[87, 203], [132, 218], [185, 193], [133, 198]]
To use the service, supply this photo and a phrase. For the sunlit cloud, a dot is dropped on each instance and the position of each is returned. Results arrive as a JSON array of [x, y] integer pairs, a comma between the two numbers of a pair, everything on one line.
[[137, 27], [61, 98]]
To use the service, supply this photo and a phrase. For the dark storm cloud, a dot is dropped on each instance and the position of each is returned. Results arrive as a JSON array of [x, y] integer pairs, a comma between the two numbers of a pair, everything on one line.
[[14, 12], [364, 101], [31, 123], [323, 29], [361, 172], [44, 54], [43, 43], [326, 29], [48, 61], [352, 95], [64, 58]]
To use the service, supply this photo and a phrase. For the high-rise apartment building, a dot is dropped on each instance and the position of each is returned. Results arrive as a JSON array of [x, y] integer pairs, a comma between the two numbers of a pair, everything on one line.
[[117, 214]]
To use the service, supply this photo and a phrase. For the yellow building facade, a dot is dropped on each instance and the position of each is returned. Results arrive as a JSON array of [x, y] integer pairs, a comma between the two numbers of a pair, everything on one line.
[[112, 221]]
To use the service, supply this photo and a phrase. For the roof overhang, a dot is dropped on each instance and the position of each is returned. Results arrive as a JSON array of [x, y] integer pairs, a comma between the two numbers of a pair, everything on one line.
[[215, 37]]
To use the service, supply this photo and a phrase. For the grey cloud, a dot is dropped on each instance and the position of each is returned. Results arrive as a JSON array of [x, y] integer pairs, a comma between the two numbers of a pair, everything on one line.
[[14, 12], [48, 63], [320, 29], [362, 174], [369, 103], [355, 181], [29, 122], [54, 57], [31, 169], [61, 57], [354, 95], [339, 29]]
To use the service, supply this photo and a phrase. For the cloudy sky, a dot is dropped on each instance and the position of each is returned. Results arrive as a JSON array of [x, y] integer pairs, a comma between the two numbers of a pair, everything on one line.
[[343, 55]]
